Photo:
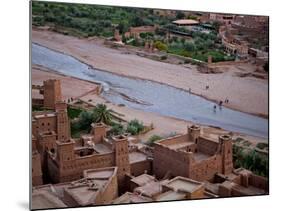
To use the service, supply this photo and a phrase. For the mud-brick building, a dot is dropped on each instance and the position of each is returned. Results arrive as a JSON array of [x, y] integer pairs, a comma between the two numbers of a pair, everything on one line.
[[51, 93], [98, 186], [193, 155], [92, 151]]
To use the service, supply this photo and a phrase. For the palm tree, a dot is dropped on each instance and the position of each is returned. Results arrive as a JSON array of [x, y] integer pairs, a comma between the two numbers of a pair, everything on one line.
[[102, 114]]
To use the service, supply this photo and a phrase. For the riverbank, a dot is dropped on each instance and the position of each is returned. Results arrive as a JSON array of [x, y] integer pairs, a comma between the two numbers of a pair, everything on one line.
[[163, 125], [246, 94]]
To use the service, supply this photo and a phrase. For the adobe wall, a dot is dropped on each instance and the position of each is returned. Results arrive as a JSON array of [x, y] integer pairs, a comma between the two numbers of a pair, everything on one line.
[[259, 182], [206, 146], [48, 123], [53, 169], [197, 194], [52, 93], [206, 169], [110, 191], [73, 169], [46, 142], [36, 170], [174, 140], [37, 102], [167, 160], [139, 168]]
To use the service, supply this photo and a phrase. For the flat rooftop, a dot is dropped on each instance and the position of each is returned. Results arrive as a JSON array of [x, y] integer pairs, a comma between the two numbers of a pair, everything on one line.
[[102, 173], [186, 22], [102, 148], [180, 145], [150, 189], [131, 198], [135, 157], [170, 195], [43, 200], [143, 179], [83, 195], [198, 156], [38, 116], [250, 190], [184, 184]]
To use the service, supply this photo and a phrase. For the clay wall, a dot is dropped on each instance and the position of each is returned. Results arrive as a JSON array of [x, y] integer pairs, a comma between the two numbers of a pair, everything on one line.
[[197, 194], [207, 146], [139, 168], [167, 160], [36, 170], [174, 140], [259, 182], [206, 169], [73, 169], [110, 191], [48, 123], [37, 102]]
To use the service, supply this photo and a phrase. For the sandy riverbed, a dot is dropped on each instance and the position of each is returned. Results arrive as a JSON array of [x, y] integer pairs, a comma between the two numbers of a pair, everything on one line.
[[246, 94], [163, 125]]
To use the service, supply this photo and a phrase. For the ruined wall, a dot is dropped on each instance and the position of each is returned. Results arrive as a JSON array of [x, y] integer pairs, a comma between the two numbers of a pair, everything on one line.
[[139, 168], [206, 169], [167, 160], [206, 146]]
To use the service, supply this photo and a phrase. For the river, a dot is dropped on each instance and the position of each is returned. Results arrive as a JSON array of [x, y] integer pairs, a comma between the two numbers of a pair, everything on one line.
[[151, 96]]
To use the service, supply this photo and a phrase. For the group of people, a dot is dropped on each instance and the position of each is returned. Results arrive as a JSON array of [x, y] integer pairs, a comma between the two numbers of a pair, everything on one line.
[[220, 104]]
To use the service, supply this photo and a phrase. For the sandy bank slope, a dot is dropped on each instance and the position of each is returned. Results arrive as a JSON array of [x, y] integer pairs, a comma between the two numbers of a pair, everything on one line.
[[245, 94], [72, 87]]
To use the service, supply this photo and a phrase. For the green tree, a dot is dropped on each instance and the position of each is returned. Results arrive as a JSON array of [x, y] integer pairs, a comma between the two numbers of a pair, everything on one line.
[[180, 15], [102, 114]]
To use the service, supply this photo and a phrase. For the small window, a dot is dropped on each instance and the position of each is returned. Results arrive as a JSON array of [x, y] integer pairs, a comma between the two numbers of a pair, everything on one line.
[[43, 124]]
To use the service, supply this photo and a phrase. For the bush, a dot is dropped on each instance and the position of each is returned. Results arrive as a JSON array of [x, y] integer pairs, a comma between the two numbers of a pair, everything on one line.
[[160, 46], [152, 139], [135, 127], [262, 145], [163, 57], [250, 159], [117, 129], [73, 112]]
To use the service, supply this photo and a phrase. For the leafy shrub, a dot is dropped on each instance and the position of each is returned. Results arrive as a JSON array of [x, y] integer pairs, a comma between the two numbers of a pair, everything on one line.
[[117, 129], [152, 139], [160, 46], [135, 127], [164, 57]]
